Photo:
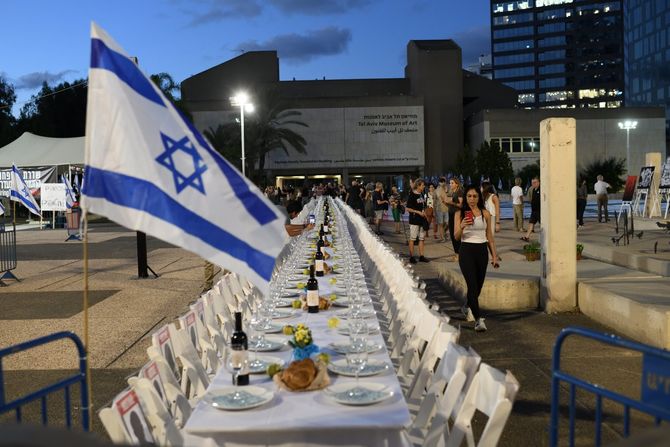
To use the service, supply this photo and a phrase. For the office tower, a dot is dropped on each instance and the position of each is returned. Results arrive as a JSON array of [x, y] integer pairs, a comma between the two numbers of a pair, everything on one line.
[[560, 53], [647, 40]]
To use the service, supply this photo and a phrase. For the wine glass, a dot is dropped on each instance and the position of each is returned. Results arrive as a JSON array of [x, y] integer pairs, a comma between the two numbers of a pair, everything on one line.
[[357, 358], [236, 362], [256, 338]]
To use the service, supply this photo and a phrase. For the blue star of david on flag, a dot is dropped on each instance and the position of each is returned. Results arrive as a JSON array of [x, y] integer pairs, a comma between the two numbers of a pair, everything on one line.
[[181, 180]]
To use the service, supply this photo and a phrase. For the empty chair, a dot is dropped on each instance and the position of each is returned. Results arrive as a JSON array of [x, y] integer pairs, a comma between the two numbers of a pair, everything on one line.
[[161, 422], [166, 386], [201, 341], [492, 392], [126, 421], [445, 394]]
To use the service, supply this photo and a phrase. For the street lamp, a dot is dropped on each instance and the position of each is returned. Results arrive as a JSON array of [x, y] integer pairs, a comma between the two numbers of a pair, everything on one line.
[[241, 100], [627, 126]]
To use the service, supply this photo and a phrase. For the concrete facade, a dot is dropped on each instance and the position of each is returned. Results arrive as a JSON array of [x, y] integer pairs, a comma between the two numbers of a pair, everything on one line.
[[598, 133], [434, 81]]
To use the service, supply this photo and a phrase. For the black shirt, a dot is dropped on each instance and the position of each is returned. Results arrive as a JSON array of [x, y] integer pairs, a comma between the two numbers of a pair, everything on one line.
[[416, 202], [355, 200], [379, 195], [535, 200]]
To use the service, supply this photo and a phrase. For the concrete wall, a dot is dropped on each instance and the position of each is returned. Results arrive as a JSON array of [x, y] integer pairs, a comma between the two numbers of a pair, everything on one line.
[[598, 133]]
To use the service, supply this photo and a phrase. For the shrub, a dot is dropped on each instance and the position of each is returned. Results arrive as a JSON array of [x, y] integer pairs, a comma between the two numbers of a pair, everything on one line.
[[612, 169]]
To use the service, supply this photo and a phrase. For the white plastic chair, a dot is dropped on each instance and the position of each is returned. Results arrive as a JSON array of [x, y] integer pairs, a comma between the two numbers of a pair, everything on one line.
[[492, 392], [166, 386], [126, 421], [161, 422]]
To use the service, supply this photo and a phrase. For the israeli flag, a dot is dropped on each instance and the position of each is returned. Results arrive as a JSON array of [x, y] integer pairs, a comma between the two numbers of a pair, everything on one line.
[[2, 209], [76, 183], [19, 191], [69, 194], [149, 169]]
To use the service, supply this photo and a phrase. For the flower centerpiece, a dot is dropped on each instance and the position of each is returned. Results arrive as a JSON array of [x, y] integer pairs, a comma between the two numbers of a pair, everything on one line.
[[303, 343]]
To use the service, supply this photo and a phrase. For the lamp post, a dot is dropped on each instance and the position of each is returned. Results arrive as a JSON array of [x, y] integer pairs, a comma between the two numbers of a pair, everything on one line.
[[241, 100], [627, 126]]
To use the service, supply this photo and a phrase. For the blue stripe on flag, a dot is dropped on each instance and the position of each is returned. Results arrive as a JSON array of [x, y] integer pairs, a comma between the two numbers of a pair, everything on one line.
[[28, 204], [105, 58], [258, 209], [144, 196]]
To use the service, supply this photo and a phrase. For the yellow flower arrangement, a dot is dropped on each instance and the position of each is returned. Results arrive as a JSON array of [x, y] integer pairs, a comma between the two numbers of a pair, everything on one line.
[[333, 322], [302, 336], [332, 280]]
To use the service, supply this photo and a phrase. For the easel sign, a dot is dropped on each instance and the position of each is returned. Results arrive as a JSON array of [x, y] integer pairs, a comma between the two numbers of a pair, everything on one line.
[[664, 187], [643, 189], [628, 194], [52, 198]]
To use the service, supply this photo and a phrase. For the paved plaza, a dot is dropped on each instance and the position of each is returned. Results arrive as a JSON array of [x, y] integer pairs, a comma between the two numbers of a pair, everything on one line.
[[126, 310]]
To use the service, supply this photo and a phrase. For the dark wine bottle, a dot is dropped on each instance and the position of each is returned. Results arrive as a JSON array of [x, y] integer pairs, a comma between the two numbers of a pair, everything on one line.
[[239, 355], [321, 231], [318, 262], [326, 224], [312, 292], [320, 244]]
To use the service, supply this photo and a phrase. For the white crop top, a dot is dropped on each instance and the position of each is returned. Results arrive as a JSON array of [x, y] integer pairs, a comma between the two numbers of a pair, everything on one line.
[[475, 233]]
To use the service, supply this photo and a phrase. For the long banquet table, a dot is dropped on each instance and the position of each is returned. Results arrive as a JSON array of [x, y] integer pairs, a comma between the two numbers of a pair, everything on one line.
[[307, 418]]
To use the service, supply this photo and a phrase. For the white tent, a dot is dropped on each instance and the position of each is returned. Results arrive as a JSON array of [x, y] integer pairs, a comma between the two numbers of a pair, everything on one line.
[[32, 150]]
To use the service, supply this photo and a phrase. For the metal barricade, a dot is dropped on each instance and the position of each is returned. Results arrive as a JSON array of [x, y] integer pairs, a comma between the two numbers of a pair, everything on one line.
[[41, 394], [654, 401], [7, 252], [72, 224]]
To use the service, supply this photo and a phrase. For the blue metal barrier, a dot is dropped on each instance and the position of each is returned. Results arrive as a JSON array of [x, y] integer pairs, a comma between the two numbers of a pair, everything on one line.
[[41, 394], [655, 398], [7, 252]]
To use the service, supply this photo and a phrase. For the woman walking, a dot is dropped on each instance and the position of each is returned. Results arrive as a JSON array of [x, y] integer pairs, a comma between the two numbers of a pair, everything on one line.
[[474, 230], [582, 194]]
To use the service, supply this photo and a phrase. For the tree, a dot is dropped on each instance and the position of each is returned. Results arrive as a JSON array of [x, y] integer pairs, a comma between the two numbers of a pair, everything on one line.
[[7, 120], [493, 163], [170, 89], [612, 169], [465, 163], [528, 172], [226, 140], [56, 112], [267, 129]]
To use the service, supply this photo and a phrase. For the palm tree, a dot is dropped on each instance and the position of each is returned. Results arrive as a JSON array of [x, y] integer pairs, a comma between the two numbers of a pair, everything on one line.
[[170, 89], [265, 130], [270, 128]]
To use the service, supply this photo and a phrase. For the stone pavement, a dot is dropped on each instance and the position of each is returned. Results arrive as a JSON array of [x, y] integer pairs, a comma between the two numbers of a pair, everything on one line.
[[522, 341], [124, 310]]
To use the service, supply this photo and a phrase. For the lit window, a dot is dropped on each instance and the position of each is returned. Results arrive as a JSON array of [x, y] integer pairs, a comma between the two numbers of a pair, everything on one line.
[[541, 3], [526, 98]]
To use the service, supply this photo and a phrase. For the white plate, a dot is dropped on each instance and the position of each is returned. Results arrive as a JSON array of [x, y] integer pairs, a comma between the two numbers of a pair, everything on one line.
[[372, 329], [271, 344], [373, 367], [278, 314], [273, 328], [365, 393], [262, 362], [233, 398], [365, 313], [285, 303], [343, 348]]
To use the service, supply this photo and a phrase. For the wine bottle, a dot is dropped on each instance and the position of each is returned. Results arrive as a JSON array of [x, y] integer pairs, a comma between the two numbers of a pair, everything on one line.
[[318, 262], [239, 346], [321, 231], [312, 292], [320, 244], [326, 224]]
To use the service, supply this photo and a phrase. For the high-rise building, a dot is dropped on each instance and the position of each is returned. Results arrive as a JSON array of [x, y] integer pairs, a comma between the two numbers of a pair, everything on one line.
[[560, 53], [647, 41]]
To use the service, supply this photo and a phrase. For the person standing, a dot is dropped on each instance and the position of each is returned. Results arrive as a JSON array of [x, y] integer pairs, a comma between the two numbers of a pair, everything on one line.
[[355, 197], [396, 207], [381, 204], [416, 205], [441, 209], [474, 230], [430, 210], [454, 203], [534, 208], [492, 204], [517, 204], [582, 194], [601, 188]]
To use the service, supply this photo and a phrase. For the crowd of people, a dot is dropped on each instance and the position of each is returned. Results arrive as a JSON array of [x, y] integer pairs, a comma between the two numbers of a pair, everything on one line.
[[467, 216]]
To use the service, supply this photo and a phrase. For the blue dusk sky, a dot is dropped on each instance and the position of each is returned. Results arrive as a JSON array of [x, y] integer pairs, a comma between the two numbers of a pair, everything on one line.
[[45, 40]]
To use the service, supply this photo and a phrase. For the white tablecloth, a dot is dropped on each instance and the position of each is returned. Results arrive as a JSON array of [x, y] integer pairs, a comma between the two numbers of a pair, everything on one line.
[[308, 418]]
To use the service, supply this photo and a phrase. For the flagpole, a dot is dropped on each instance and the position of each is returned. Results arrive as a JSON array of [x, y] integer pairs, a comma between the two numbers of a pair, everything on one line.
[[86, 334], [14, 212]]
